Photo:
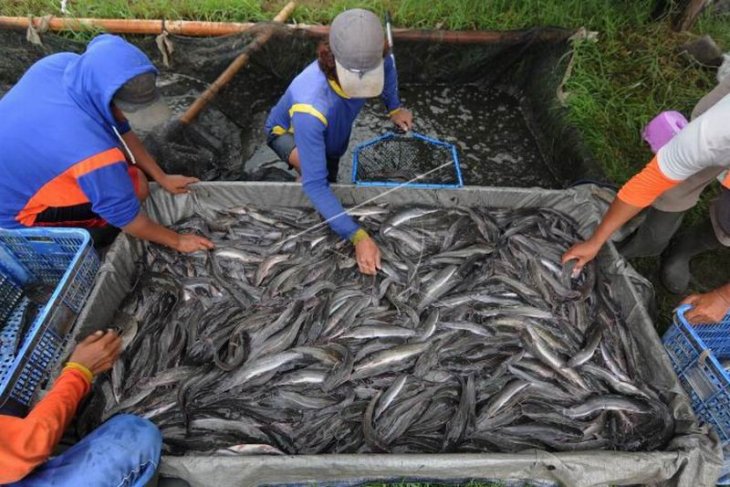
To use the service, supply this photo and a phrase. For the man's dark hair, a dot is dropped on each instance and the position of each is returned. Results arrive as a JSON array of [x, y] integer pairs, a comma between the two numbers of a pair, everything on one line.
[[326, 60]]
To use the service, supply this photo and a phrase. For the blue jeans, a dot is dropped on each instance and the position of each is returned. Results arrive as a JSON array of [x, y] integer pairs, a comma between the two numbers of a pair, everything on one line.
[[122, 452]]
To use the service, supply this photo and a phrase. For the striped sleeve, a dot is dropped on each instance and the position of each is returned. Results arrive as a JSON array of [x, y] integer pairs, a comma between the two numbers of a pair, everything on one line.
[[645, 187], [109, 188], [309, 137], [390, 88]]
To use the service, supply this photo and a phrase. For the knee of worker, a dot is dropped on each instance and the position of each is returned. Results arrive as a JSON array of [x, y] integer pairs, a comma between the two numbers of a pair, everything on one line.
[[142, 189], [294, 160], [720, 217], [141, 431]]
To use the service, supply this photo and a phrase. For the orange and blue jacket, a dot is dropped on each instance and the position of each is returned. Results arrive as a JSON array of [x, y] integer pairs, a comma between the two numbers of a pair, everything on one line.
[[28, 442], [59, 141]]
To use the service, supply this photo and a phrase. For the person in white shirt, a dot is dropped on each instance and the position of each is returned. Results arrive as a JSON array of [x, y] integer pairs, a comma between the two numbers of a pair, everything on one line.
[[672, 183]]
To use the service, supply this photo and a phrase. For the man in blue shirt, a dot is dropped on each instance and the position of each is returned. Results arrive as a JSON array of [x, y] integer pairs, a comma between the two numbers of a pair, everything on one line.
[[310, 126], [69, 156]]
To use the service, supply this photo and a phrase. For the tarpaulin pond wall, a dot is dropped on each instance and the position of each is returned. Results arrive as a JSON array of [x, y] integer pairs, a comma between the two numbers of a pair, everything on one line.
[[692, 458]]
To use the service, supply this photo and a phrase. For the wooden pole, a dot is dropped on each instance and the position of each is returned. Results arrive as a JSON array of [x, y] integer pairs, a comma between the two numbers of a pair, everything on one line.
[[235, 66], [689, 13], [132, 26], [209, 29]]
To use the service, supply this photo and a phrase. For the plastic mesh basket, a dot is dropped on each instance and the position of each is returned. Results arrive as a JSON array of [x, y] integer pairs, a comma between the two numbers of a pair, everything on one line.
[[697, 364], [395, 159], [10, 294], [33, 336], [695, 353]]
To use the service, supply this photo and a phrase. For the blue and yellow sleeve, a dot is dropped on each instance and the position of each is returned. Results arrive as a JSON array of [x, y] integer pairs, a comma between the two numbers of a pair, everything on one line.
[[309, 130], [390, 88]]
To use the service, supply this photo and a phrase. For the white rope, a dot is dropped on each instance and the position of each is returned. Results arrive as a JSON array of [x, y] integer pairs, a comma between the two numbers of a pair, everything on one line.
[[126, 147], [366, 202]]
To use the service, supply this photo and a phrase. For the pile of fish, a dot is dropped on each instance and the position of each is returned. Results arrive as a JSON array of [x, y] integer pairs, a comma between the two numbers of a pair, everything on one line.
[[471, 338]]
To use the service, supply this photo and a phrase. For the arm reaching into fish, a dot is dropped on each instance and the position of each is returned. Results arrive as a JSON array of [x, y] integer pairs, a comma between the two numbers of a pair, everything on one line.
[[584, 252], [144, 228], [679, 172], [26, 444], [310, 126], [710, 307], [173, 183], [638, 193]]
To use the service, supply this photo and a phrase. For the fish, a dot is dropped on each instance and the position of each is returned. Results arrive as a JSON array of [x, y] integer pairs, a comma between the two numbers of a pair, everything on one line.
[[472, 337], [605, 403]]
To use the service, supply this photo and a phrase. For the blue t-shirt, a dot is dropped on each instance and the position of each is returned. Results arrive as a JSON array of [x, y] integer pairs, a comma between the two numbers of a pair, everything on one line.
[[57, 142]]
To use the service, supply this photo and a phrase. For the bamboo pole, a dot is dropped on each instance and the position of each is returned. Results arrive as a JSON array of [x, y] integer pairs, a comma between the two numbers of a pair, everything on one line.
[[260, 39], [209, 29], [131, 26], [690, 12]]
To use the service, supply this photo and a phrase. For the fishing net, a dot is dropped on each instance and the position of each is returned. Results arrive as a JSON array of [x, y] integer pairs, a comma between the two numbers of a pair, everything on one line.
[[395, 158]]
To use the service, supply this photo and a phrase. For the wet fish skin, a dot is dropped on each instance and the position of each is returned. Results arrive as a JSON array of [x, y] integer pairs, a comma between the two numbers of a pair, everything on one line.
[[285, 336], [505, 396], [256, 368], [605, 403], [464, 417], [393, 357]]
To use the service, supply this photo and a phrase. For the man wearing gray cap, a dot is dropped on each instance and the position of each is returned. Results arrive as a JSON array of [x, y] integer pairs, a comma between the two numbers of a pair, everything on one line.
[[69, 156], [310, 126]]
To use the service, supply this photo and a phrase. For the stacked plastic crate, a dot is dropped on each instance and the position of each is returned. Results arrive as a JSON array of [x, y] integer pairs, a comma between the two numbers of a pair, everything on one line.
[[698, 354], [33, 328]]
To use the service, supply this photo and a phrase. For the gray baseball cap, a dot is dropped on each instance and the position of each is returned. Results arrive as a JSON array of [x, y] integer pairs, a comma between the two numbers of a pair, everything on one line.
[[356, 40], [141, 102]]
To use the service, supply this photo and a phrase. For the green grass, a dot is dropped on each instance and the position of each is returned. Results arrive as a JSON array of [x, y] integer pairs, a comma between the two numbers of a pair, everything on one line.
[[618, 83]]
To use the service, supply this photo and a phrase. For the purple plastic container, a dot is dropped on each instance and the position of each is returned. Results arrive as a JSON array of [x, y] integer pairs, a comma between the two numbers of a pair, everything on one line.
[[662, 128]]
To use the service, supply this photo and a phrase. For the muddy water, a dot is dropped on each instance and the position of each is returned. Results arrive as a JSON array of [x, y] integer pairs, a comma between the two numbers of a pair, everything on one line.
[[488, 128], [495, 146]]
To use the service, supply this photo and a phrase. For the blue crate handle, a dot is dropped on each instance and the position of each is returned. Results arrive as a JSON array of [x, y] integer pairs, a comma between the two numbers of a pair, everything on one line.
[[390, 135], [680, 320], [697, 354], [682, 309], [707, 353]]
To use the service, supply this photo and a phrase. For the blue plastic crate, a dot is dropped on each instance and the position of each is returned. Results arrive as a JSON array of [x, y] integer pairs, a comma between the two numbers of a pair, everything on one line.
[[375, 162], [63, 259], [695, 353], [10, 294]]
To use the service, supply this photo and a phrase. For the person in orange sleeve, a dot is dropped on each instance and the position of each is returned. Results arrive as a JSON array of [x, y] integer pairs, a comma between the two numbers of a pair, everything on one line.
[[124, 451], [672, 183]]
